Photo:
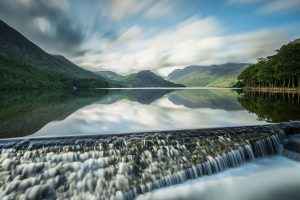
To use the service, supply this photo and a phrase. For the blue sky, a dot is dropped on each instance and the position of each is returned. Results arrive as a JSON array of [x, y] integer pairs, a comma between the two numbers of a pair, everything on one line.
[[127, 36]]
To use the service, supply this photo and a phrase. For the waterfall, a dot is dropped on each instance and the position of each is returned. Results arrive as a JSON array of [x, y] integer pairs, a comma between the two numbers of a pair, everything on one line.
[[288, 153], [125, 166], [262, 148]]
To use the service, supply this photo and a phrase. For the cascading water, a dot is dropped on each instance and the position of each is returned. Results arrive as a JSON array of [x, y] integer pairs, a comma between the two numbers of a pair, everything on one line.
[[123, 167]]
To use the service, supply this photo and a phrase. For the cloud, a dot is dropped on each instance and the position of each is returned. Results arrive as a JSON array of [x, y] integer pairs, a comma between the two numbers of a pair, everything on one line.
[[243, 2], [183, 44], [44, 22], [43, 25], [270, 6], [159, 9], [131, 35], [280, 6], [117, 10], [161, 114], [247, 47], [195, 41]]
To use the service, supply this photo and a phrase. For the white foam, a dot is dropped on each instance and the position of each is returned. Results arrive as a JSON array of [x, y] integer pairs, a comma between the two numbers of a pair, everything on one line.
[[268, 178]]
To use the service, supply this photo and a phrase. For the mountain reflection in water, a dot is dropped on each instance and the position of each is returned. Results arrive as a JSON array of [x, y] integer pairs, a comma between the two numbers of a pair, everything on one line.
[[58, 113]]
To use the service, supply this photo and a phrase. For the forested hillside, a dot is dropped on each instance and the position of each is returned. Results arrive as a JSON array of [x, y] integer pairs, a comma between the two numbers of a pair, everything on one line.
[[15, 74], [279, 70], [24, 65]]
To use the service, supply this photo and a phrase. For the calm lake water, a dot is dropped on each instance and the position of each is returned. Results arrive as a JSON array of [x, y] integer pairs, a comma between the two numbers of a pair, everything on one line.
[[129, 166], [84, 112]]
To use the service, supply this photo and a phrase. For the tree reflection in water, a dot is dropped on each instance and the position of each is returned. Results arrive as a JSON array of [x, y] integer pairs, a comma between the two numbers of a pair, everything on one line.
[[272, 107]]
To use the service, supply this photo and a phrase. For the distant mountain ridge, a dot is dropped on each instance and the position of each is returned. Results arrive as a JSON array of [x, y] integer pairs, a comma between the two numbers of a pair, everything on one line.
[[107, 74], [224, 75], [144, 78], [24, 65]]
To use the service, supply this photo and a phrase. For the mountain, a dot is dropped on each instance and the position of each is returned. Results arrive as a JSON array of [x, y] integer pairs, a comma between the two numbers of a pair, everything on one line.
[[107, 74], [224, 75], [145, 78], [21, 58]]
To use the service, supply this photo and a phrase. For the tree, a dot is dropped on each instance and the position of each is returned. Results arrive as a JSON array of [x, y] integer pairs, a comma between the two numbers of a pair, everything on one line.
[[279, 70]]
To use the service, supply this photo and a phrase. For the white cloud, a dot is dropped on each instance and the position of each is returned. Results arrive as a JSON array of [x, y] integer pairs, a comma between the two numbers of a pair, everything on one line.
[[270, 6], [120, 9], [161, 114], [42, 24], [242, 2], [165, 71], [196, 41], [280, 5], [249, 46], [58, 4], [159, 9], [130, 34]]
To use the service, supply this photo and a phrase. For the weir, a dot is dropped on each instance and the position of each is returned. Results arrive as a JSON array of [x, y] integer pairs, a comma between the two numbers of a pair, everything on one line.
[[124, 166]]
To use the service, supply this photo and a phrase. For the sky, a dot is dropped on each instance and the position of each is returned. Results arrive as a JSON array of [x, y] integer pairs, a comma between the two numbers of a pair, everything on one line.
[[128, 36]]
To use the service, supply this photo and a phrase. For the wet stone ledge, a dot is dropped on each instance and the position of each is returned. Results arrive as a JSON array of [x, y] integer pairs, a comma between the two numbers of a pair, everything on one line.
[[122, 167]]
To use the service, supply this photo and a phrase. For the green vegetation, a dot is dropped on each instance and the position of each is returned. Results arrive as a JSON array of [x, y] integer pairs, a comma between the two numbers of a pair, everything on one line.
[[224, 75], [23, 65], [18, 75], [107, 74], [279, 70], [145, 78], [272, 107], [14, 45]]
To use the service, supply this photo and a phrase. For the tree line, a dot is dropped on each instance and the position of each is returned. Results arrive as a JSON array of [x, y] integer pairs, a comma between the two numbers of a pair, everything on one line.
[[279, 70]]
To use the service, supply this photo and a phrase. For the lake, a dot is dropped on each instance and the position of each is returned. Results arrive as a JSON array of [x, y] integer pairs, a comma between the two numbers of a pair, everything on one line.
[[153, 165], [107, 111]]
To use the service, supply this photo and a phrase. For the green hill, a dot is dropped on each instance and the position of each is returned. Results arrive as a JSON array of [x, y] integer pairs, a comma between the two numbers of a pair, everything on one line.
[[224, 75], [21, 60], [107, 74], [145, 78]]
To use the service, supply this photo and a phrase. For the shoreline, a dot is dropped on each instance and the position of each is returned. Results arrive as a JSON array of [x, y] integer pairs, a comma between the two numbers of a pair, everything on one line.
[[272, 90]]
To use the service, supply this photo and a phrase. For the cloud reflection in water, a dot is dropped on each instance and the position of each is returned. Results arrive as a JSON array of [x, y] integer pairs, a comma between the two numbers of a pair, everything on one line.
[[123, 115]]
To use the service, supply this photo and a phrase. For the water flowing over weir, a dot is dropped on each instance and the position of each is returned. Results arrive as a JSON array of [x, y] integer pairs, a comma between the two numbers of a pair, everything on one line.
[[124, 166]]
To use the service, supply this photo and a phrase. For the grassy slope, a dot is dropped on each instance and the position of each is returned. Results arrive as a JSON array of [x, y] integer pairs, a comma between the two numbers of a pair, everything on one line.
[[212, 77]]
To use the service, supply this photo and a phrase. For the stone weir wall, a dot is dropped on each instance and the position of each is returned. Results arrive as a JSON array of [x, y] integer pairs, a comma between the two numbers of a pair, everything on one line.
[[124, 166]]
